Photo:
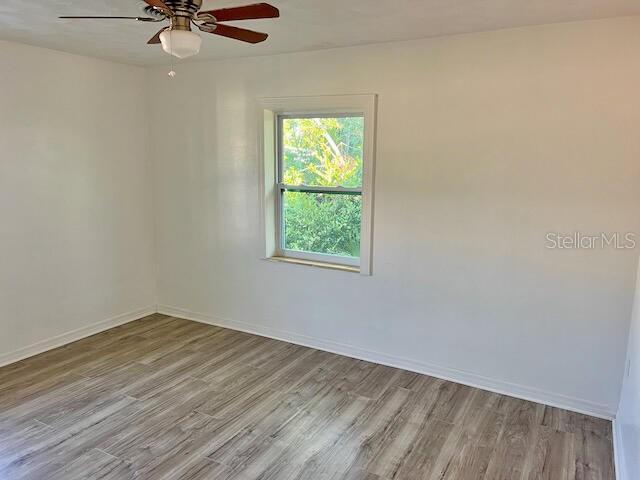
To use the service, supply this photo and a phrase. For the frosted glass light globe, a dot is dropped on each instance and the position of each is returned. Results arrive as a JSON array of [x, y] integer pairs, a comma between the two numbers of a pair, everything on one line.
[[180, 43]]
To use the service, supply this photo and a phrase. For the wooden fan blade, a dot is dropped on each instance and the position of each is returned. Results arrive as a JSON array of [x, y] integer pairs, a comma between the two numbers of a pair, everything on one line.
[[246, 12], [158, 3], [156, 38], [236, 33], [140, 19]]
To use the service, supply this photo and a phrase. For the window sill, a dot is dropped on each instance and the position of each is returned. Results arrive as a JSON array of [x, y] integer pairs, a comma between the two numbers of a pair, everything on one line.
[[311, 263]]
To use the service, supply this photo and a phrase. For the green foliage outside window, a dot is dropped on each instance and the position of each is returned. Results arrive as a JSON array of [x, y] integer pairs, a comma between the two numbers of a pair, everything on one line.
[[322, 152]]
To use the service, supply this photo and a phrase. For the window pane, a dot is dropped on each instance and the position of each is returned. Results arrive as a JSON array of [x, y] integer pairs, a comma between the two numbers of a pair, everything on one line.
[[322, 223], [323, 152]]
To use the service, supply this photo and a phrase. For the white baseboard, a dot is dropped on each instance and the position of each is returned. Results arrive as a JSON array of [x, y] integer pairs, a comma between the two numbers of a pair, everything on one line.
[[618, 453], [445, 373], [72, 336]]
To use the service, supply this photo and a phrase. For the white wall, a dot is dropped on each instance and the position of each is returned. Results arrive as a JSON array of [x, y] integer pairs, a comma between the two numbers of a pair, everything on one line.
[[486, 142], [628, 418], [76, 229]]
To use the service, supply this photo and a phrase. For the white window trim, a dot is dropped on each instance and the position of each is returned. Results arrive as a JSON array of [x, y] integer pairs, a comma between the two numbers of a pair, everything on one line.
[[271, 109]]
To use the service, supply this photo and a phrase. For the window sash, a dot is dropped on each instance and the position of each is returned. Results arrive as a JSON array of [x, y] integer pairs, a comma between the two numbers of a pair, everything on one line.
[[303, 254], [280, 128], [283, 187]]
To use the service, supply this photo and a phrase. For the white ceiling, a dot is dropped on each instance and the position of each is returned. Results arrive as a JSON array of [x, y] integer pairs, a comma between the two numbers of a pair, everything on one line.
[[304, 24]]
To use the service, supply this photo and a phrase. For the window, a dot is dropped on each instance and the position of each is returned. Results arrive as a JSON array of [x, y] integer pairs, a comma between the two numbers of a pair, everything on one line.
[[318, 176]]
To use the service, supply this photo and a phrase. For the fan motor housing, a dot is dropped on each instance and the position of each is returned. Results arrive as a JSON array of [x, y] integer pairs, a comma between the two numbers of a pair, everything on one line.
[[184, 7], [183, 12]]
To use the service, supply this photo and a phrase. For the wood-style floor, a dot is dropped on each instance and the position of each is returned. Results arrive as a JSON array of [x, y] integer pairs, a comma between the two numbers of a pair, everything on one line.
[[163, 398]]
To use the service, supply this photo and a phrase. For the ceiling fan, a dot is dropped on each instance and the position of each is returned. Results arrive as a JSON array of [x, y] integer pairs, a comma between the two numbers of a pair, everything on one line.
[[178, 40]]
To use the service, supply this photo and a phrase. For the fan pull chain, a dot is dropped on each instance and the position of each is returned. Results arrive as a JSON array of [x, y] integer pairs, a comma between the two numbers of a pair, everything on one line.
[[172, 72]]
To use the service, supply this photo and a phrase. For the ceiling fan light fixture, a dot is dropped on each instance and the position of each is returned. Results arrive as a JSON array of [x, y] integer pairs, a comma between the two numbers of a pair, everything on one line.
[[180, 43]]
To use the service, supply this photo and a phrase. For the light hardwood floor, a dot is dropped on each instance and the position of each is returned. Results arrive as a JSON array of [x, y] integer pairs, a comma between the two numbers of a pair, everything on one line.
[[164, 398]]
